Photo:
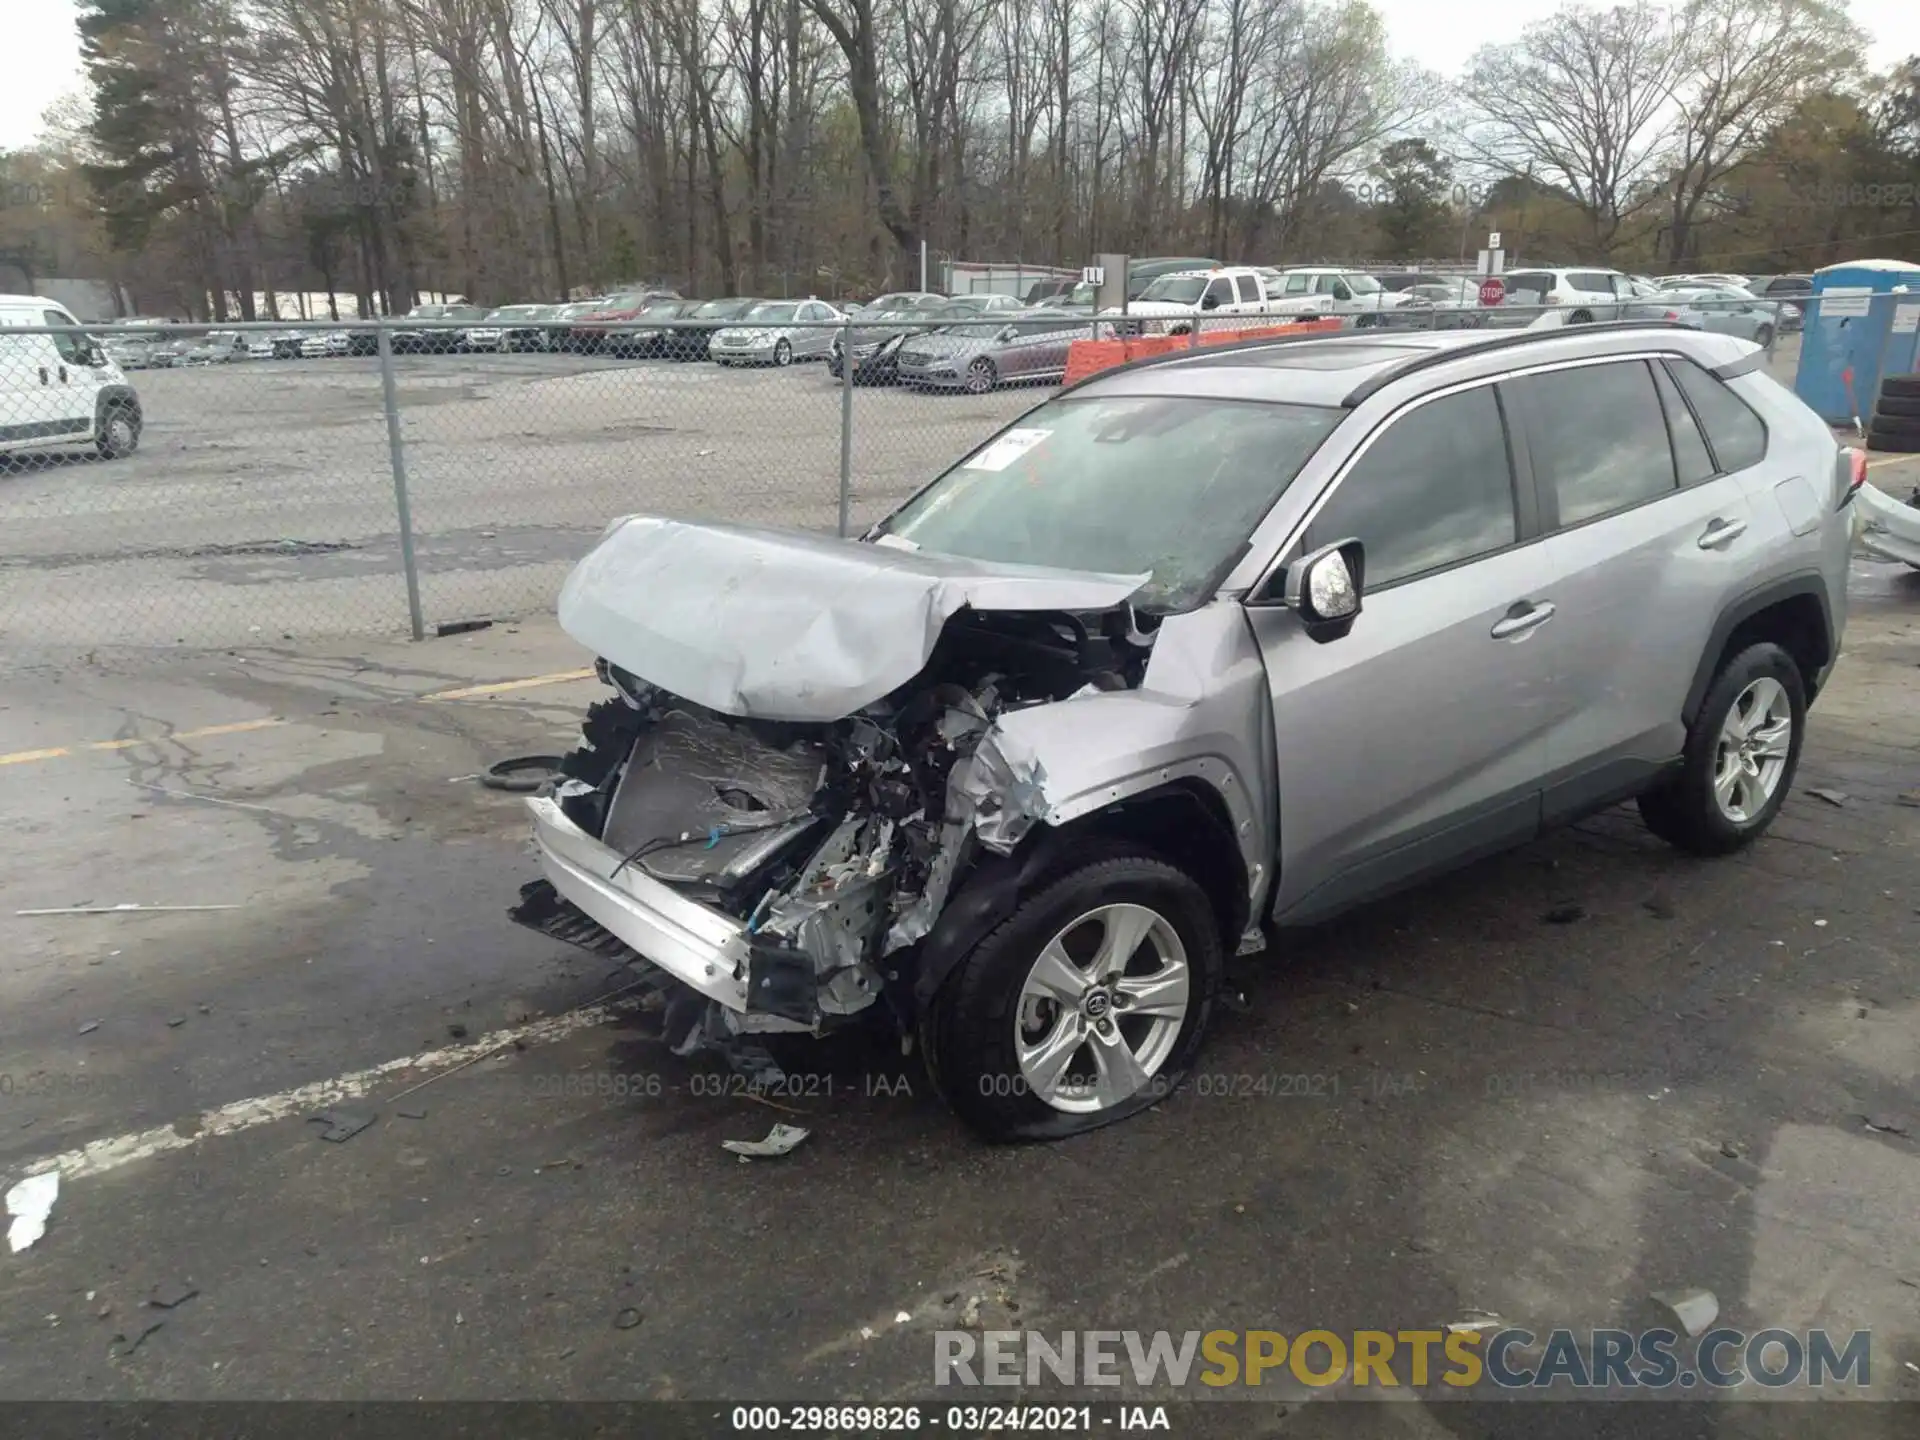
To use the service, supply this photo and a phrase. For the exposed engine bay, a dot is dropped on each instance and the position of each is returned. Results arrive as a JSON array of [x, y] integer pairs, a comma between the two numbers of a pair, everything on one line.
[[837, 843]]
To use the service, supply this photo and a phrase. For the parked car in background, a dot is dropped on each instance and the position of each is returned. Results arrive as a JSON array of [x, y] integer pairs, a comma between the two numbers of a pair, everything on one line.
[[590, 331], [438, 329], [510, 327], [1586, 294], [216, 347], [1440, 304], [976, 355], [260, 346], [1043, 290], [878, 333], [133, 352], [318, 344], [60, 388], [1791, 292], [1211, 648], [1694, 282], [1309, 292], [777, 332], [648, 334], [566, 316], [285, 343], [1721, 309], [1085, 295], [1170, 303], [690, 335], [1400, 281]]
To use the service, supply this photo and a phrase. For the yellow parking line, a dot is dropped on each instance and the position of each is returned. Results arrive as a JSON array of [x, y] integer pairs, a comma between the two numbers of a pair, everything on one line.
[[22, 757], [502, 687]]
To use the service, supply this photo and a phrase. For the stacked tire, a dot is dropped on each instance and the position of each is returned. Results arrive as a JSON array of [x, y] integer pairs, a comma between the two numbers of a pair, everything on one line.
[[1896, 415]]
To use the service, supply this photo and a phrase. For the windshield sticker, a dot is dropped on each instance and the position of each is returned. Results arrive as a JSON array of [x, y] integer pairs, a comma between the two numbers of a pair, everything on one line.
[[1007, 449]]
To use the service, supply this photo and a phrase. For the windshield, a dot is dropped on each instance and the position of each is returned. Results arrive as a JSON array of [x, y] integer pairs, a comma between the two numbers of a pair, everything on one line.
[[773, 312], [1176, 289], [721, 309], [1088, 483], [427, 312]]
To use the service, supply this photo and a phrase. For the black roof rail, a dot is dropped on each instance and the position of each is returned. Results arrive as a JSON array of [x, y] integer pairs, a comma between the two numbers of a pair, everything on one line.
[[1502, 340]]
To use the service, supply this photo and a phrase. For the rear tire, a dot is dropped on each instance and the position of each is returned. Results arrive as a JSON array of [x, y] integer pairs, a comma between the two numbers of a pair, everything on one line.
[[996, 1008], [1740, 759], [1580, 317], [1903, 387], [119, 433]]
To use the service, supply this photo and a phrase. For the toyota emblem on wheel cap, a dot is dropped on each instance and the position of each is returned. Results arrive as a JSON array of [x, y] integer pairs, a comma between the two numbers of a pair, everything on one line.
[[1097, 1004]]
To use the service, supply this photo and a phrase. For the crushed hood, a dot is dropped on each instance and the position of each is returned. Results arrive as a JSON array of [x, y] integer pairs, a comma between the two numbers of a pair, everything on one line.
[[786, 624]]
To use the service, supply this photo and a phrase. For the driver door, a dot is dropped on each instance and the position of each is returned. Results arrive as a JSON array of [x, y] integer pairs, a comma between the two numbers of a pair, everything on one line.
[[1417, 740]]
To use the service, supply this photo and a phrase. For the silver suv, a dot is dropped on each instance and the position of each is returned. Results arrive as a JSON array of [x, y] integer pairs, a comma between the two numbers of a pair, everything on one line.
[[1199, 650]]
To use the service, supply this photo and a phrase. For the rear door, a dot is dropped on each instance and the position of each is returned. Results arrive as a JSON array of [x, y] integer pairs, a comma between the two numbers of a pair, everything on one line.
[[1418, 738], [1647, 533]]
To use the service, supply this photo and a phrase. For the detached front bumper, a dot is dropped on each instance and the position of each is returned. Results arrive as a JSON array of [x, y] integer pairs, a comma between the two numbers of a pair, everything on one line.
[[705, 950]]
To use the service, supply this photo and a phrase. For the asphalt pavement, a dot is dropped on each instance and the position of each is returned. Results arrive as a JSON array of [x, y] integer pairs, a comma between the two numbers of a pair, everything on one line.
[[1545, 1089]]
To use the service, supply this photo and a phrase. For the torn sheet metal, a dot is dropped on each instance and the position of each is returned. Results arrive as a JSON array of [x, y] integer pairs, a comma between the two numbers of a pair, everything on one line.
[[1888, 529], [781, 1140], [787, 625]]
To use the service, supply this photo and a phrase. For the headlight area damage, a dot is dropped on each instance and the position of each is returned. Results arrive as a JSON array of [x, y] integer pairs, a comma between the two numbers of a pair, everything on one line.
[[800, 757]]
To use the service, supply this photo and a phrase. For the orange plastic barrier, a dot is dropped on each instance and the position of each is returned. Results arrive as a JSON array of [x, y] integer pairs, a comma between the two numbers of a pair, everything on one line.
[[1090, 357]]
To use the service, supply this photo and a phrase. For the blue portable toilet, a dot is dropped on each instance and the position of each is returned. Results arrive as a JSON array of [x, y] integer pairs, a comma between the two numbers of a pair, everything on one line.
[[1858, 320]]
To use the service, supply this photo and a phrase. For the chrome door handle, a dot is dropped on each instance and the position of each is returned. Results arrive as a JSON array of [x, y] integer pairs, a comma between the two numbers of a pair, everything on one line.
[[1519, 621], [1720, 532]]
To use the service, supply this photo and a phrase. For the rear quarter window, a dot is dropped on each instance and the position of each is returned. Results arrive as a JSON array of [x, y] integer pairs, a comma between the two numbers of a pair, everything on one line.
[[1590, 280], [1737, 436]]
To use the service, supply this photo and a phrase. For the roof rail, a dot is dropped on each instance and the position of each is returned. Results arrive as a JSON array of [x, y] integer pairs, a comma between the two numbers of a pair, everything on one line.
[[1502, 340]]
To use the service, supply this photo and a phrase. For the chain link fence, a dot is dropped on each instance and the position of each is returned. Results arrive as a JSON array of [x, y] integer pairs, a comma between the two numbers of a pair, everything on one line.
[[260, 483]]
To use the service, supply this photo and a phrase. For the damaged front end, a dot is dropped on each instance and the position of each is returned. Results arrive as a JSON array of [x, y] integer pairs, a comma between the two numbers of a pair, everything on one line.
[[782, 870]]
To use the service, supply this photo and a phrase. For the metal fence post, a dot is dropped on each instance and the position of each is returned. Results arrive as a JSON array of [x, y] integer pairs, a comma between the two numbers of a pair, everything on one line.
[[397, 455], [846, 424]]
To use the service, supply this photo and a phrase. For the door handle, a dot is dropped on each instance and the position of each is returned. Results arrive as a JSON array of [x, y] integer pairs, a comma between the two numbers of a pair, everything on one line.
[[1720, 532], [43, 376], [63, 374], [1523, 617]]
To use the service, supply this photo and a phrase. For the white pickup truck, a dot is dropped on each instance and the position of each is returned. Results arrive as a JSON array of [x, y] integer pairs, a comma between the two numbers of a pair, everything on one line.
[[1169, 304], [1310, 291]]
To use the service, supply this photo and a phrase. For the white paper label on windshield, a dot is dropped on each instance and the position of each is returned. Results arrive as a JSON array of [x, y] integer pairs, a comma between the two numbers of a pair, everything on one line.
[[1007, 449]]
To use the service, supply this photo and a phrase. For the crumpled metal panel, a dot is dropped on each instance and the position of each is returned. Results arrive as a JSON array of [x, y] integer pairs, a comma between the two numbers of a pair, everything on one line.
[[694, 774], [788, 625], [1888, 528]]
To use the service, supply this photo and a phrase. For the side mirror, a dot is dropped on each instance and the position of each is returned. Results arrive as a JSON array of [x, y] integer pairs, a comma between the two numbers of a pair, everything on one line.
[[1210, 301], [1324, 589], [1007, 335], [1341, 292]]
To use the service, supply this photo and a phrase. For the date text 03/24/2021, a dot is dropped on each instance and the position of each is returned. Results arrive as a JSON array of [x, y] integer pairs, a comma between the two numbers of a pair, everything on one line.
[[951, 1419]]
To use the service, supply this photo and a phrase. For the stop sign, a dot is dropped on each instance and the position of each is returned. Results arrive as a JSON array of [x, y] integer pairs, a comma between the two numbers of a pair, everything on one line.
[[1492, 290]]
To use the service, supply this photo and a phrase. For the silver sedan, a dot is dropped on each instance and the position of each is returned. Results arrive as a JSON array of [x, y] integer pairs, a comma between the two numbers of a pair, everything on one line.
[[1717, 308], [778, 332]]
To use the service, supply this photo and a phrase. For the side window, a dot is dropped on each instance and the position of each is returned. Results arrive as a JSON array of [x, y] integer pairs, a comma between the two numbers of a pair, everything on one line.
[[1734, 431], [68, 341], [1249, 289], [1590, 280], [1598, 441], [1433, 489], [1690, 454], [1220, 292], [1298, 284]]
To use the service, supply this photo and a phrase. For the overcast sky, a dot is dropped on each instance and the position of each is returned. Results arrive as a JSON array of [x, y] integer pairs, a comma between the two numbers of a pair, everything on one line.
[[41, 59]]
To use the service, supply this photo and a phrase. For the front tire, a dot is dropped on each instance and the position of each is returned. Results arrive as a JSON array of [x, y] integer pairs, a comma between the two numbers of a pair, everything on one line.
[[1763, 337], [1083, 1007], [783, 354], [980, 376], [1742, 751]]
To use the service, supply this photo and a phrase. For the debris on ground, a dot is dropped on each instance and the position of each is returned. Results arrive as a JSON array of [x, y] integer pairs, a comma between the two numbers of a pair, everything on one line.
[[1908, 797], [1236, 1001], [1475, 1322], [176, 1022], [1696, 1310], [1564, 913], [522, 775], [137, 1341], [89, 1027], [457, 1031], [126, 909], [1832, 797], [1888, 1124], [170, 1295], [1729, 1149], [411, 1114], [341, 1124], [461, 627], [628, 1319], [30, 1203], [903, 1318], [780, 1140], [1659, 905]]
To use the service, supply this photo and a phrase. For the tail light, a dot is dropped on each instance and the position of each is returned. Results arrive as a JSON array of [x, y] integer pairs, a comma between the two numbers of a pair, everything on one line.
[[1850, 473], [1673, 314]]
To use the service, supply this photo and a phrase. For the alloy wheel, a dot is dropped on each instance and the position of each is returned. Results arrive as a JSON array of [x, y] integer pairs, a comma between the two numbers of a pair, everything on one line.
[[980, 377], [1102, 1008], [1751, 754]]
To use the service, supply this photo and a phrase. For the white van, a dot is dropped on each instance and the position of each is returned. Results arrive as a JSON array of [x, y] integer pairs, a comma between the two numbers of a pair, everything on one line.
[[57, 390]]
